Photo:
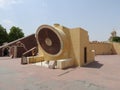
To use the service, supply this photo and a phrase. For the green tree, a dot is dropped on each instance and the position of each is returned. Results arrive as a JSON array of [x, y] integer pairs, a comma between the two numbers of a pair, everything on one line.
[[15, 33], [3, 35], [116, 39]]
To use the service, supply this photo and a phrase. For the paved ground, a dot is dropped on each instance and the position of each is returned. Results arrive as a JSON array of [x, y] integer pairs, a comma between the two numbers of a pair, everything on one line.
[[103, 74]]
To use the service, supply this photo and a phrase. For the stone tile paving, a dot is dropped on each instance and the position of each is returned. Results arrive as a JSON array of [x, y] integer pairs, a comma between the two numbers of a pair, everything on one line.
[[103, 74]]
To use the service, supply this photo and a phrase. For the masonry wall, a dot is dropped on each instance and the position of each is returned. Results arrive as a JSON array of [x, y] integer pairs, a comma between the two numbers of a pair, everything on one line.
[[80, 45], [102, 48], [116, 48], [28, 42], [0, 51], [20, 51]]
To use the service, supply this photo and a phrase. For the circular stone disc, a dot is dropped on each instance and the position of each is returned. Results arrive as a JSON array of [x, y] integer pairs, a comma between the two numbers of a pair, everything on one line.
[[49, 41]]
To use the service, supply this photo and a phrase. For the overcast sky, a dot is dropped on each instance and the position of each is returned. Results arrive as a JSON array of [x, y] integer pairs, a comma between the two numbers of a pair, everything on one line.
[[98, 17]]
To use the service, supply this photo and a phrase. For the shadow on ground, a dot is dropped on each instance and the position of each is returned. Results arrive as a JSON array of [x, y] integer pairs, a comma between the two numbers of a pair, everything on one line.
[[94, 64]]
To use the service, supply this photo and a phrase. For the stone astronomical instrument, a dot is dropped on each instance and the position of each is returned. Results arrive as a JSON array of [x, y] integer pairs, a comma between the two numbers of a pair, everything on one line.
[[49, 41], [52, 43], [66, 46]]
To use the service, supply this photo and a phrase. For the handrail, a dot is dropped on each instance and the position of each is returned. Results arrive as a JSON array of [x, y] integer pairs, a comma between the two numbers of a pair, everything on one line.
[[31, 52]]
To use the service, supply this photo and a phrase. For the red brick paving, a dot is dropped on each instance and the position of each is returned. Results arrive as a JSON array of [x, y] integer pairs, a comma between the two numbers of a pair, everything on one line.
[[103, 74]]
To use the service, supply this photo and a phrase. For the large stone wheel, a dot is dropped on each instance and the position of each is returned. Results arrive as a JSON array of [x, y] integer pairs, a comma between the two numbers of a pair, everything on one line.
[[49, 41]]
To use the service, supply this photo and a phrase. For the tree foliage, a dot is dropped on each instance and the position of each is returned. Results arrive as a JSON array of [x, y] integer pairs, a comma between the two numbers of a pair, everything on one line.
[[3, 35], [116, 39], [15, 33]]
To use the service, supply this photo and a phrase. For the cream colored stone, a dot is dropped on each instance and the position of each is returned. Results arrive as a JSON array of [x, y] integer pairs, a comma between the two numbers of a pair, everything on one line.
[[105, 48], [74, 44]]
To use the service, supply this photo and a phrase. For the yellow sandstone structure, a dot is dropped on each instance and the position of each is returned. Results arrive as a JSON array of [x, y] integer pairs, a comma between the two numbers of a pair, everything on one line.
[[106, 48], [62, 47]]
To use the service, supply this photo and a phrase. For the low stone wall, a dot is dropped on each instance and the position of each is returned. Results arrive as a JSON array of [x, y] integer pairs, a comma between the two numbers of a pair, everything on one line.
[[102, 48], [116, 47]]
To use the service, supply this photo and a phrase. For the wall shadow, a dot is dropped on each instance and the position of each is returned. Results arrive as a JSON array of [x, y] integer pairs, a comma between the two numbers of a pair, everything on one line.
[[94, 64]]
